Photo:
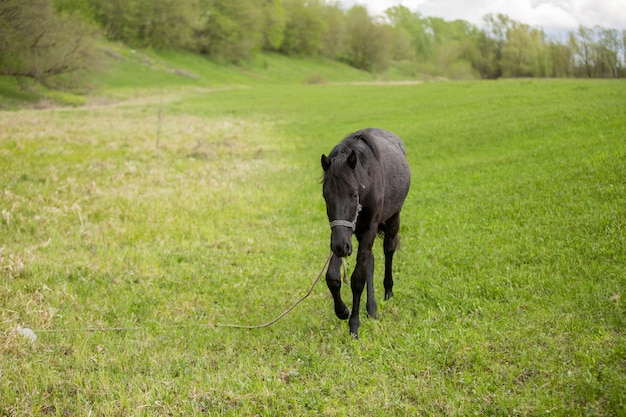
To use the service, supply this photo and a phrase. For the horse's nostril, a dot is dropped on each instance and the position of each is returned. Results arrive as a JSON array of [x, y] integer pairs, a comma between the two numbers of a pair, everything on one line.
[[342, 250]]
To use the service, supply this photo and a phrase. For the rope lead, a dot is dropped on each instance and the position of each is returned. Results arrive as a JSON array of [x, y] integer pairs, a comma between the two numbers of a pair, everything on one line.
[[32, 335]]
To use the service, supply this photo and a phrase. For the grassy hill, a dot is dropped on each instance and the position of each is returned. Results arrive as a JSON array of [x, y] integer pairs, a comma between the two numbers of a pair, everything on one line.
[[124, 72]]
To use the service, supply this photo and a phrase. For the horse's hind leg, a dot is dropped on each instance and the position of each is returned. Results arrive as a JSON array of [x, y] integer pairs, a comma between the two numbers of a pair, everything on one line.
[[333, 280], [392, 226]]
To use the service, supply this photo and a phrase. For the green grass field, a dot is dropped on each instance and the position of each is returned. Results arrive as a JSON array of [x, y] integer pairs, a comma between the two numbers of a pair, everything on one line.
[[510, 279]]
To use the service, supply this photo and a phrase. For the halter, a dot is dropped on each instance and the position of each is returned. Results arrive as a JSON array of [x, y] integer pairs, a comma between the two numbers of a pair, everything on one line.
[[347, 223]]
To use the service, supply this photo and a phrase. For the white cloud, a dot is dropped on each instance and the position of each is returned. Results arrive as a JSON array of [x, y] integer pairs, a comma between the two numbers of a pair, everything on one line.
[[556, 14]]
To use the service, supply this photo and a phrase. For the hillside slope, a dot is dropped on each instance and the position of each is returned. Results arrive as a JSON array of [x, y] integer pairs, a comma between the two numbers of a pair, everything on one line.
[[126, 73]]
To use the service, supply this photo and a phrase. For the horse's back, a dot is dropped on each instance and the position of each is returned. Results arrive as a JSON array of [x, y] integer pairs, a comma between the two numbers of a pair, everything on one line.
[[394, 167], [383, 139], [391, 154]]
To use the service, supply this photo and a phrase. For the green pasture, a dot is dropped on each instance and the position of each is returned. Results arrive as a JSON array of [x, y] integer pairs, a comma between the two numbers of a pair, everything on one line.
[[163, 214]]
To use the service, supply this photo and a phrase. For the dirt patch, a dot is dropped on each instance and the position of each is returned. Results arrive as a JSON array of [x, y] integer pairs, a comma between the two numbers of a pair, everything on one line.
[[405, 82], [144, 99]]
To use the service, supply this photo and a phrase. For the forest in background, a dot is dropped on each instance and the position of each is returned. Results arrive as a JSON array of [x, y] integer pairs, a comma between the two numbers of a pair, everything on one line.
[[41, 39]]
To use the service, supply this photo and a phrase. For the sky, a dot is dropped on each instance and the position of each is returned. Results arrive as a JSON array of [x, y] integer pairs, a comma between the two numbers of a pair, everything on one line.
[[546, 14]]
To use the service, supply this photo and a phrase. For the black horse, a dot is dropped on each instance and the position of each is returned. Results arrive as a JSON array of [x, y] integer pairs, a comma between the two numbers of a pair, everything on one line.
[[366, 179]]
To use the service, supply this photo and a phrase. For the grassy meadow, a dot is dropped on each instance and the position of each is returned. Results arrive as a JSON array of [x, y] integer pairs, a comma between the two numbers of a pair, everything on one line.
[[163, 210]]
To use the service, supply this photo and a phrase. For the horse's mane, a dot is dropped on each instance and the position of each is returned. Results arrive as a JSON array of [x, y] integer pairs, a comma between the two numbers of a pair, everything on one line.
[[363, 145], [359, 142]]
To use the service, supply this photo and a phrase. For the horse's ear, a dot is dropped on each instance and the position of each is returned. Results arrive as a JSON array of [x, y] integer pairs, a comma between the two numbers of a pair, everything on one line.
[[325, 162], [352, 160]]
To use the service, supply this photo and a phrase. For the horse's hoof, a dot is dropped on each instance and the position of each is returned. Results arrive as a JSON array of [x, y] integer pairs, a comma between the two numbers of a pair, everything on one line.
[[371, 310], [355, 336], [388, 295], [343, 315]]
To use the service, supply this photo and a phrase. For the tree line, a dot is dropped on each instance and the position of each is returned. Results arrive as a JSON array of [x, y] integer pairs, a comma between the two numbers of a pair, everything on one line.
[[42, 38]]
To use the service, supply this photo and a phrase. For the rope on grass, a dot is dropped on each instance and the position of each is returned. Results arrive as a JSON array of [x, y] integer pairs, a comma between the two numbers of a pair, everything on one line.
[[284, 313], [32, 335]]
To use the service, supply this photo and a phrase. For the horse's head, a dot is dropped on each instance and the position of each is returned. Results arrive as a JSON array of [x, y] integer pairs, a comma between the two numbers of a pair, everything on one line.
[[341, 192]]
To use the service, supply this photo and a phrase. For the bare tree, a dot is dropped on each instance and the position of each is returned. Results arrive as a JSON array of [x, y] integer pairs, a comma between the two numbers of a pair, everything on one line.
[[38, 42]]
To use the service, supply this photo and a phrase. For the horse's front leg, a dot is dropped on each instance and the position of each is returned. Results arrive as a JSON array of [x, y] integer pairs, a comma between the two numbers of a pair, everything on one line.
[[363, 274], [333, 280]]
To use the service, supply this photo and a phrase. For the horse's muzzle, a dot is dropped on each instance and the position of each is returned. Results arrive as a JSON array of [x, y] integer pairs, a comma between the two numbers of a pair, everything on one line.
[[341, 242]]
